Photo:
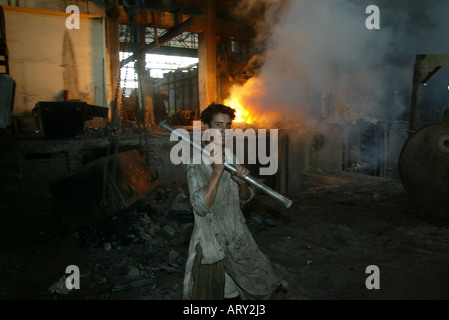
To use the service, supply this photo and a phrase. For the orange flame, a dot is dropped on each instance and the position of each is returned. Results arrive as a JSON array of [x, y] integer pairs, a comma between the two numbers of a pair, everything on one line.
[[241, 114], [245, 100]]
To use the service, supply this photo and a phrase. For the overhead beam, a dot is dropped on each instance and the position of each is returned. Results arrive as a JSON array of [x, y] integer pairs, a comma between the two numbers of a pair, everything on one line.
[[160, 19], [430, 74], [167, 20], [170, 34], [426, 65], [169, 51]]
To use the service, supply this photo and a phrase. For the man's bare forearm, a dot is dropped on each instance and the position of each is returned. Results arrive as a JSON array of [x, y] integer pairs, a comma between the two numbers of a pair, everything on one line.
[[244, 192], [211, 190]]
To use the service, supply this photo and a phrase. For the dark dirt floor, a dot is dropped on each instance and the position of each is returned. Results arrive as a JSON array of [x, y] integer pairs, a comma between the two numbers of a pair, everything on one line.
[[322, 245]]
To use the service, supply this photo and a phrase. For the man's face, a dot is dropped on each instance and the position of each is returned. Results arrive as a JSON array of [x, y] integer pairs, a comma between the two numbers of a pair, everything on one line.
[[220, 122]]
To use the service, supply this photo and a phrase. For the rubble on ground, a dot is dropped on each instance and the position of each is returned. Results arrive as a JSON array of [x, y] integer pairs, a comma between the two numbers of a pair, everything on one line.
[[141, 252]]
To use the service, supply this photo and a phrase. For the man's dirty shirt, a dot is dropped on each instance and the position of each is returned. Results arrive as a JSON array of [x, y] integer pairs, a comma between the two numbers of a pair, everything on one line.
[[222, 232]]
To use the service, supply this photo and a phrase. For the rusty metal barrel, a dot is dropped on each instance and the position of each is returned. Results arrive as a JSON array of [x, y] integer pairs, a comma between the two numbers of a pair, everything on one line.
[[424, 167]]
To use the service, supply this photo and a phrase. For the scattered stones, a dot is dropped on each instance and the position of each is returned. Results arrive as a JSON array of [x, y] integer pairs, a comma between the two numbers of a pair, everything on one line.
[[153, 236], [133, 273], [60, 286], [169, 230], [172, 256]]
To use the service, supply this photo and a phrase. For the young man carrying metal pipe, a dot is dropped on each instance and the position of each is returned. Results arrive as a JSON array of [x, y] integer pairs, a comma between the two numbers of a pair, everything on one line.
[[224, 261]]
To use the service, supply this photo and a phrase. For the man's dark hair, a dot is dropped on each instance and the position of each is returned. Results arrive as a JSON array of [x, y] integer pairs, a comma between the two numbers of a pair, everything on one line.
[[208, 114]]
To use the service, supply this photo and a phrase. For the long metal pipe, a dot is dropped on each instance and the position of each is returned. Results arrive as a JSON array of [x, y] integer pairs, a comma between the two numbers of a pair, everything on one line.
[[231, 168]]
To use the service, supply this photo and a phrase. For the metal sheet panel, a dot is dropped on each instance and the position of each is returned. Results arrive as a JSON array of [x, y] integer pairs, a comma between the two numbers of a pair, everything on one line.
[[424, 168], [78, 197], [7, 90]]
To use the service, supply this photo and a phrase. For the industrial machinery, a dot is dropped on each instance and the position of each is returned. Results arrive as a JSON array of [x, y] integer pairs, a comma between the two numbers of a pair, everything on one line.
[[424, 167], [424, 160], [66, 119]]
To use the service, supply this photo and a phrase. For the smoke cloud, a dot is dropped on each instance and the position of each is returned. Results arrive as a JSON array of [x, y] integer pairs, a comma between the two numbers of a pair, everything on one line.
[[321, 49]]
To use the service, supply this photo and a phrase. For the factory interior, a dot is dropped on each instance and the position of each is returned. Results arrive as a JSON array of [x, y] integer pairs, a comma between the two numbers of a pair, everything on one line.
[[357, 94]]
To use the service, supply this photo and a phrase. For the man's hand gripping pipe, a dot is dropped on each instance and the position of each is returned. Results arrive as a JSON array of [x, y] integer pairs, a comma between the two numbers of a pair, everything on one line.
[[230, 168]]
